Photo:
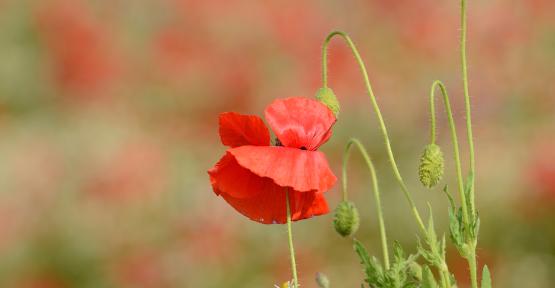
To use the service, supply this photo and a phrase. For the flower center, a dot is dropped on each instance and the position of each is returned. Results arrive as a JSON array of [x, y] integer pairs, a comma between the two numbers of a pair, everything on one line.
[[278, 143]]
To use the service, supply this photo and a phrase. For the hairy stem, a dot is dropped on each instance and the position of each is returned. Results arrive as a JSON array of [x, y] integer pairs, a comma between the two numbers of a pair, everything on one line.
[[290, 239], [473, 268], [472, 257], [375, 189], [467, 104], [454, 139], [378, 115]]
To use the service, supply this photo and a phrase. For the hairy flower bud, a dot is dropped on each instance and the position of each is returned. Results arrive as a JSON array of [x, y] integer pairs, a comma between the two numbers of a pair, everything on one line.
[[326, 96], [346, 220], [431, 166], [322, 280]]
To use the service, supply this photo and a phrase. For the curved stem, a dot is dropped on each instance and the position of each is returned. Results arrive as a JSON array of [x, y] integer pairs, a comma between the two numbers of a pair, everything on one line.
[[454, 139], [378, 114], [472, 257], [467, 105], [375, 189], [290, 239]]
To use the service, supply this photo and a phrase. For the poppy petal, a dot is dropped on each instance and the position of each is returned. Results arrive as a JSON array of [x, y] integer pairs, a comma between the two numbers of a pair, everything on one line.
[[238, 130], [288, 167], [269, 207], [300, 122], [229, 177]]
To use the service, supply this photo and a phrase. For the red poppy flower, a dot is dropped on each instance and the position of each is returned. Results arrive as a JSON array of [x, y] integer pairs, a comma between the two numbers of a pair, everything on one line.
[[253, 176]]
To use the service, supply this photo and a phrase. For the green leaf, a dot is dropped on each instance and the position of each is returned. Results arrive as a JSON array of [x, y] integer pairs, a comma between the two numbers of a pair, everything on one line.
[[398, 253], [372, 268], [442, 246], [486, 277], [451, 201], [416, 270], [428, 280], [456, 228], [468, 190], [362, 253]]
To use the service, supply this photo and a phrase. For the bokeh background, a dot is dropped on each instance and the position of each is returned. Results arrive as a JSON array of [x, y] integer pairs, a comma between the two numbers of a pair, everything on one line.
[[108, 123]]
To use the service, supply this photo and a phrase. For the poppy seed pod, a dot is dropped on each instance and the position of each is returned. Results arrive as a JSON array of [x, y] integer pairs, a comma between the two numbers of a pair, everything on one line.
[[346, 220], [326, 96], [322, 280], [431, 166]]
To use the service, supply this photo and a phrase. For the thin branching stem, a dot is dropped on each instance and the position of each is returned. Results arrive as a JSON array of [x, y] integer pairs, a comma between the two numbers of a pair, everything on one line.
[[290, 240], [378, 115], [375, 188]]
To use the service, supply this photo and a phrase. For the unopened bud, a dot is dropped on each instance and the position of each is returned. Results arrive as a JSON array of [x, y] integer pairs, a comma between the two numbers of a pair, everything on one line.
[[346, 219], [431, 166], [322, 280], [326, 96]]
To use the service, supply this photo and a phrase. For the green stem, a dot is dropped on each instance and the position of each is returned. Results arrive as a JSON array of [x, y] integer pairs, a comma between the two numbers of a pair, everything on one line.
[[290, 239], [454, 139], [472, 257], [473, 268], [375, 188], [444, 279], [467, 104], [378, 114]]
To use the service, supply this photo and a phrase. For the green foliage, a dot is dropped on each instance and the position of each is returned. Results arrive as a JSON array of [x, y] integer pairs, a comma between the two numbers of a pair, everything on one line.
[[401, 274], [462, 237], [428, 280], [434, 250], [486, 278]]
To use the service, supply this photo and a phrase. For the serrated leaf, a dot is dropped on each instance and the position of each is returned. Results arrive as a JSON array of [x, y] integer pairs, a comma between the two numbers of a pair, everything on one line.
[[372, 268], [468, 183], [416, 270], [428, 256], [361, 252], [486, 277], [398, 253], [476, 227], [468, 191], [451, 200], [442, 247], [428, 280]]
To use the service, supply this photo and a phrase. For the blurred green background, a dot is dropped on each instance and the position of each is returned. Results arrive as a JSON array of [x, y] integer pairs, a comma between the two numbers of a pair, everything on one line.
[[108, 123]]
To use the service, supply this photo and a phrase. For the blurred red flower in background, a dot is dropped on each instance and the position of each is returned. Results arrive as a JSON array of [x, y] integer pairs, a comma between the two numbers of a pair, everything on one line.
[[542, 172], [82, 55], [253, 176], [141, 269], [136, 171]]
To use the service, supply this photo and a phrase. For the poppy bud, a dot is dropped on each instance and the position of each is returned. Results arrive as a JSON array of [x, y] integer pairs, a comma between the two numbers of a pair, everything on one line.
[[431, 166], [326, 96], [322, 280], [346, 219]]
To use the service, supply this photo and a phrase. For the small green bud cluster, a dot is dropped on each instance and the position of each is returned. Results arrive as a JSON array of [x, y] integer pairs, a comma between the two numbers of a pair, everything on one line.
[[430, 170], [346, 219]]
